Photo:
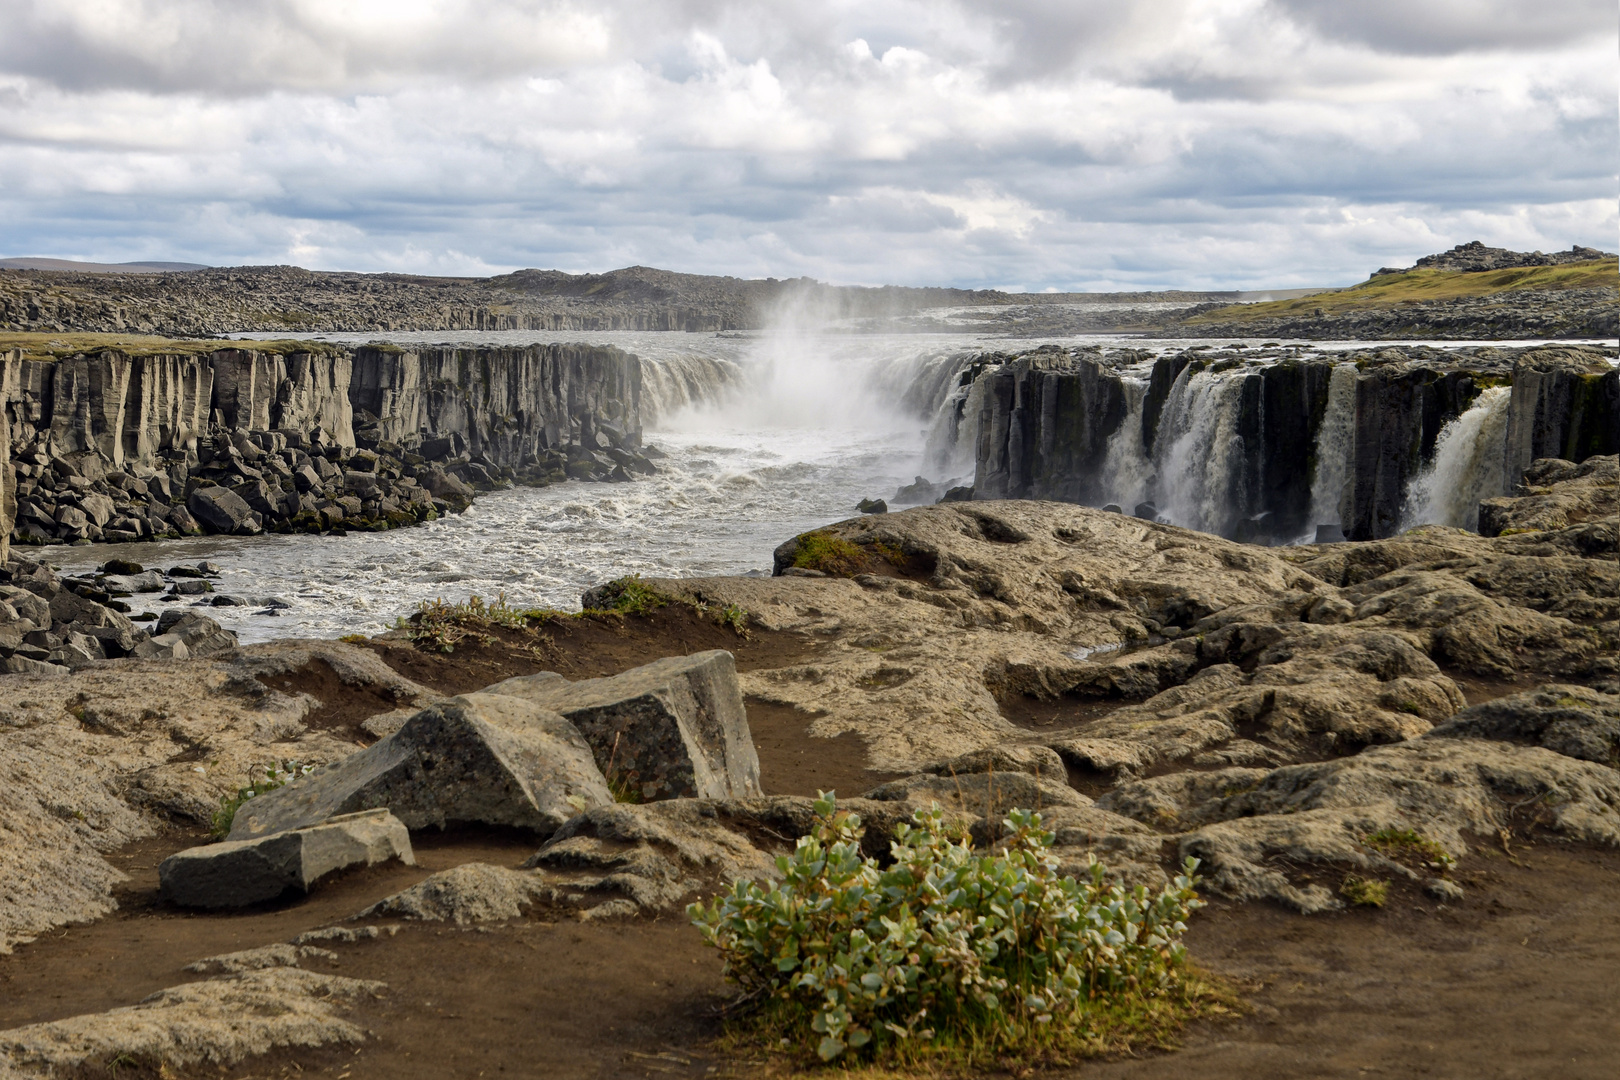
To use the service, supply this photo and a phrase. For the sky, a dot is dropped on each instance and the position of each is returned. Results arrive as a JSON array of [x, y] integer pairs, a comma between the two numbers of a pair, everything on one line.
[[1019, 144]]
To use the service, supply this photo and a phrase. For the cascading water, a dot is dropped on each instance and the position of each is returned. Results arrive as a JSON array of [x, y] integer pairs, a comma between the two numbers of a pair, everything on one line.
[[1198, 453], [672, 383], [1335, 444], [1128, 476], [1469, 465]]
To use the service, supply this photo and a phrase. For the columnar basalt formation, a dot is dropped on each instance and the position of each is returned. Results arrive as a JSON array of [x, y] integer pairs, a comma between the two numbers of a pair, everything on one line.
[[1244, 439], [126, 444]]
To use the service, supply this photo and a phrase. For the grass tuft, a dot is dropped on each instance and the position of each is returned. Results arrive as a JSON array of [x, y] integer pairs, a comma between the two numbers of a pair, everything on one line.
[[1365, 892]]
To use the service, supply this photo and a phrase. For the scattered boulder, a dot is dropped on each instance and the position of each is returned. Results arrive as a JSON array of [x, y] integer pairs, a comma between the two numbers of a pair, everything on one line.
[[675, 728], [488, 758], [919, 492], [471, 893], [250, 871], [656, 855], [220, 508], [872, 506]]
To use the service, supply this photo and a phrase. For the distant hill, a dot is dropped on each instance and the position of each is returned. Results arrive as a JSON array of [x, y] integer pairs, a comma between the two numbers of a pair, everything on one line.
[[69, 266]]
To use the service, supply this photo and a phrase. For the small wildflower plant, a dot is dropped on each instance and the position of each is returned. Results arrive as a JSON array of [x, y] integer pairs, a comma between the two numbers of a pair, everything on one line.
[[276, 774], [945, 949]]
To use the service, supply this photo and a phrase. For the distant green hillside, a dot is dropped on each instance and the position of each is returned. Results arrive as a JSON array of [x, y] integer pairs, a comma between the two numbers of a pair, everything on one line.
[[1391, 290]]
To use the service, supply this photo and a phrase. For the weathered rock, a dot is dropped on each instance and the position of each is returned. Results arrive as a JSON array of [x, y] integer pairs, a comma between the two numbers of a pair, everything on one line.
[[989, 795], [1555, 494], [472, 893], [1446, 789], [655, 855], [221, 1020], [219, 508], [486, 758], [1569, 720], [675, 728], [281, 954], [250, 871]]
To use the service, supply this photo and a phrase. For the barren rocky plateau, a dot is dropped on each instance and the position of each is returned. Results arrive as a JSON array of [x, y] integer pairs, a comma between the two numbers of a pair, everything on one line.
[[1156, 693], [289, 300]]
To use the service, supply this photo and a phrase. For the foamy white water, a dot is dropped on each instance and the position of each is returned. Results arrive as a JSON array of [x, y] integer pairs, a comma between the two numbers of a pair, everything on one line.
[[1468, 465]]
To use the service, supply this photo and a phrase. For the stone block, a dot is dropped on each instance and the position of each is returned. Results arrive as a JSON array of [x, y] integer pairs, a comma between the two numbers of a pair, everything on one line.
[[220, 509], [236, 873], [675, 728], [495, 760]]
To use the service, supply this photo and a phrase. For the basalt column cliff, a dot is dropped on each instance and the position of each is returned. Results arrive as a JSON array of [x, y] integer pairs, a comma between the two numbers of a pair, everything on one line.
[[123, 444]]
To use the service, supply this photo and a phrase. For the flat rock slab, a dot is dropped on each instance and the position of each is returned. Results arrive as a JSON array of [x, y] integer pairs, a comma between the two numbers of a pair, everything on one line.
[[241, 872], [672, 729], [482, 758]]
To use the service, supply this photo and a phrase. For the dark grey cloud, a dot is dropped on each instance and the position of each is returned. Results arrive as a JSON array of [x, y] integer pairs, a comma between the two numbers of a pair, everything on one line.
[[1437, 27]]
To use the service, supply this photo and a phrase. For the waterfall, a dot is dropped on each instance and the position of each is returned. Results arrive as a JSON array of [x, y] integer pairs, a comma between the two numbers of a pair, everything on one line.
[[1468, 466], [1199, 454], [1128, 476], [1335, 444], [672, 383]]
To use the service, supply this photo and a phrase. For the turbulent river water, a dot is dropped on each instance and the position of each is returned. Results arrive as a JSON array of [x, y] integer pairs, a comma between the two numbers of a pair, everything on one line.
[[766, 436]]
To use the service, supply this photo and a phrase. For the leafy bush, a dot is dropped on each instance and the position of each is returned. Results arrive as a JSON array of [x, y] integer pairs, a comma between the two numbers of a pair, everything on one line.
[[945, 950], [276, 775]]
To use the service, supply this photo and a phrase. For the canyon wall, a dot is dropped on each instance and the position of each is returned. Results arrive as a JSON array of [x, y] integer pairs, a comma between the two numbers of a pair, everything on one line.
[[1220, 442], [120, 445]]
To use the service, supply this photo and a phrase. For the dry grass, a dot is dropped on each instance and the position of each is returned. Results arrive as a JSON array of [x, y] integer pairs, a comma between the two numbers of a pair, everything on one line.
[[1391, 290]]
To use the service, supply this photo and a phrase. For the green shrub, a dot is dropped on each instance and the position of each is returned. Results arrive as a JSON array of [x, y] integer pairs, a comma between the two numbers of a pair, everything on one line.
[[830, 554], [945, 951], [276, 774]]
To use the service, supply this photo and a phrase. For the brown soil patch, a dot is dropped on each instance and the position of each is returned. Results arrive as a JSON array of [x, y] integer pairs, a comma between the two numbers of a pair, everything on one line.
[[1054, 716], [343, 707], [792, 762], [588, 648], [1515, 980]]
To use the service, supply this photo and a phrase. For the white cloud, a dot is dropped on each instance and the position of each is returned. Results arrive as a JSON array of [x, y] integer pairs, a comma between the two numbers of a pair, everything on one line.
[[1066, 143]]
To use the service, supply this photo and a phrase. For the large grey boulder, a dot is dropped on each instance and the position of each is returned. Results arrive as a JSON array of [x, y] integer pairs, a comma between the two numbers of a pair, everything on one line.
[[674, 728], [241, 872], [485, 758], [219, 508]]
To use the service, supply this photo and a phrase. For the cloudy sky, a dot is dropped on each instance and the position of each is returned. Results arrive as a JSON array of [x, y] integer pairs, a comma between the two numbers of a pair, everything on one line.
[[1027, 144]]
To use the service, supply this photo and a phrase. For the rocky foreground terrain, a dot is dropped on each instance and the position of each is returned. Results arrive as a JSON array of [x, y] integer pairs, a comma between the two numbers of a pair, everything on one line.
[[1301, 719]]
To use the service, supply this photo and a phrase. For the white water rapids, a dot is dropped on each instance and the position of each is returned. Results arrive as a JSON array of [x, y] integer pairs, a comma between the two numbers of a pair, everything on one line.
[[767, 436]]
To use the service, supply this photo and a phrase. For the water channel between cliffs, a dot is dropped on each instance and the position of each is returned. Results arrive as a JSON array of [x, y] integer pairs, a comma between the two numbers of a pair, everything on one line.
[[804, 427]]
